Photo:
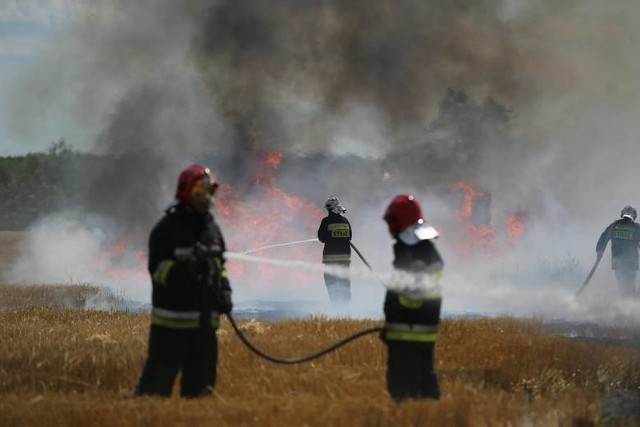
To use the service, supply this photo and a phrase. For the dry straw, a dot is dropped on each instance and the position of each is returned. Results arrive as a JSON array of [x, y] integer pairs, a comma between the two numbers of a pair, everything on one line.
[[61, 367]]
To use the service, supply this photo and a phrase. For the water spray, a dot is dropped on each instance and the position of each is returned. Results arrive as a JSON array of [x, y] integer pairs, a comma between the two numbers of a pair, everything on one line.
[[297, 242], [336, 270], [397, 281]]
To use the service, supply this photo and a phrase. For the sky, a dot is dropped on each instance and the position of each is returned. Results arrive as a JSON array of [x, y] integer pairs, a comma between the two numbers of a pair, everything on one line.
[[23, 29], [332, 78]]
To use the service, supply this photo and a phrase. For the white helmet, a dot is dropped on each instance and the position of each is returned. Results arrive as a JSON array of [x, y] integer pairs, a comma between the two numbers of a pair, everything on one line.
[[629, 211], [333, 205]]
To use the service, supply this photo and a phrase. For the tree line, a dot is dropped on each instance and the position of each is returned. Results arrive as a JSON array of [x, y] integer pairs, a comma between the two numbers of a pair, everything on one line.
[[34, 184]]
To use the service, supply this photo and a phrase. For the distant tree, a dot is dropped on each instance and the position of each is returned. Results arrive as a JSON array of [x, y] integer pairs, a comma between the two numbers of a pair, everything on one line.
[[60, 147]]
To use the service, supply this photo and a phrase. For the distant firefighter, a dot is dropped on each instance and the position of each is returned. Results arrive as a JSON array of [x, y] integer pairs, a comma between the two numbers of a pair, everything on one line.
[[412, 306], [624, 234], [190, 291], [335, 232]]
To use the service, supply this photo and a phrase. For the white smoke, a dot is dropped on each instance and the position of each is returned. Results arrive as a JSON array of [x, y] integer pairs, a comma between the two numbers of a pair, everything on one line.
[[146, 76], [67, 249]]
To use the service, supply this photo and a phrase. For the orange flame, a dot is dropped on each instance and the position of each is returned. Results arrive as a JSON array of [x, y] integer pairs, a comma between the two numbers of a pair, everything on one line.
[[121, 263], [470, 194], [480, 239], [515, 225], [261, 216], [483, 239], [267, 215]]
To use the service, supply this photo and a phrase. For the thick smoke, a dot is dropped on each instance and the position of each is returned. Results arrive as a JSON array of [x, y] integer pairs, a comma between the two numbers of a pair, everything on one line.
[[535, 103]]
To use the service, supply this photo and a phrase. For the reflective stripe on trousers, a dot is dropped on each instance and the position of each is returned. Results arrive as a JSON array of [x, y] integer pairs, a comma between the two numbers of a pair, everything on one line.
[[344, 258]]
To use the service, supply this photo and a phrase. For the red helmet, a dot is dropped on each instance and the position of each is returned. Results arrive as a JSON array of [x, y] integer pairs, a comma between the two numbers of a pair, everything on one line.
[[405, 221], [195, 177], [402, 212]]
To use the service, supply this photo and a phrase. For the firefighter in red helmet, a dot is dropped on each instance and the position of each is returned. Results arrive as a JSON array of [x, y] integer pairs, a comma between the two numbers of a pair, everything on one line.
[[190, 291], [412, 303]]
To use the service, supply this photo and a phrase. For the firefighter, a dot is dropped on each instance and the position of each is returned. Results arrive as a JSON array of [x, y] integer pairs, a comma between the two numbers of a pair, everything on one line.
[[412, 305], [335, 232], [624, 234], [190, 291]]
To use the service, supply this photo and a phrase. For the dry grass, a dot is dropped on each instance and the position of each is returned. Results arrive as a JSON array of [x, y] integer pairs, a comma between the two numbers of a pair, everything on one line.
[[63, 367], [22, 297]]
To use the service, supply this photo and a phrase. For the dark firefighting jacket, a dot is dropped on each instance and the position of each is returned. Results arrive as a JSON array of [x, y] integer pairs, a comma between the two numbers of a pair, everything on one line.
[[335, 232], [625, 238], [187, 291], [407, 319]]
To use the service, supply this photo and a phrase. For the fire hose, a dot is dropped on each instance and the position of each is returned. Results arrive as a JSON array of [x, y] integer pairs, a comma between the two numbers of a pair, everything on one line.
[[589, 276], [278, 245], [593, 270], [361, 256], [293, 361], [303, 359]]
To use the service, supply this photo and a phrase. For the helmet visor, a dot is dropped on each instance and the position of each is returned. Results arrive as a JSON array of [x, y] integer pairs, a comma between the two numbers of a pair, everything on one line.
[[418, 232]]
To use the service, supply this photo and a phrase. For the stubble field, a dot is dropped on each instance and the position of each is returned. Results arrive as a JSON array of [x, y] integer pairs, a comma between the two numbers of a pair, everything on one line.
[[61, 366]]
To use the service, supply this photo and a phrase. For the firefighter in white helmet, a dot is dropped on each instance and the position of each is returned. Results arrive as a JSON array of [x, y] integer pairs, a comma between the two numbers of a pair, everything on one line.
[[412, 303], [335, 232], [624, 234], [190, 291]]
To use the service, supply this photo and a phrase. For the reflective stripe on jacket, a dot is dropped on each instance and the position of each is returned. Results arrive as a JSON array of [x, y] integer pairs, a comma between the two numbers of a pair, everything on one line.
[[336, 258], [410, 332], [181, 319]]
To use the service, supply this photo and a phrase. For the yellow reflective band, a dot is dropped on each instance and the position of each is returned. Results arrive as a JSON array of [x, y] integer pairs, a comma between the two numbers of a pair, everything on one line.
[[337, 227], [162, 272], [409, 303], [410, 336], [339, 230], [410, 327], [622, 233], [336, 258], [224, 274], [180, 324]]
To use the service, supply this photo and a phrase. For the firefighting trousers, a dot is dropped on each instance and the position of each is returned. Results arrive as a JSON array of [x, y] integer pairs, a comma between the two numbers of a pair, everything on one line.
[[410, 371], [339, 288], [192, 351], [626, 282]]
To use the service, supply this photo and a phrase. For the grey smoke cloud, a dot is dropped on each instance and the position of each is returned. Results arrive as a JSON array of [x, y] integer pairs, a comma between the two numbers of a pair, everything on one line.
[[166, 83]]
